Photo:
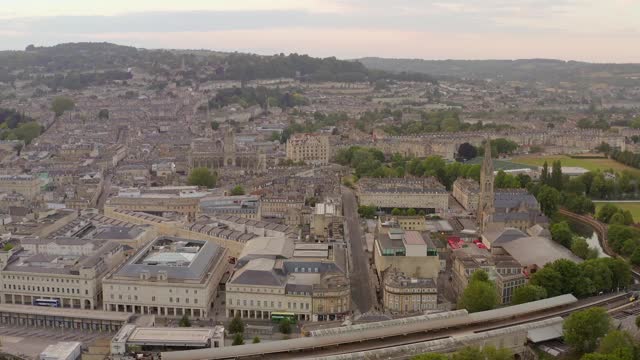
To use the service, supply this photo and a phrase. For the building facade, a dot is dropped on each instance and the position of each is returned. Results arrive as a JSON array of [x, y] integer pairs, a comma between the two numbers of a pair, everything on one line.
[[68, 270], [169, 277], [309, 148], [467, 193], [403, 294], [27, 185], [420, 194]]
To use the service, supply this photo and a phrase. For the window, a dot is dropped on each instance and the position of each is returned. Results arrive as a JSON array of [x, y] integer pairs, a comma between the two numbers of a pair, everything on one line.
[[153, 298], [195, 301], [170, 299]]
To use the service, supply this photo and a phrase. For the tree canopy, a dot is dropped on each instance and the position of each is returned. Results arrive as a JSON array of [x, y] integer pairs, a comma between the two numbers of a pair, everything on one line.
[[60, 104], [237, 190], [528, 293], [583, 329], [480, 294], [202, 177]]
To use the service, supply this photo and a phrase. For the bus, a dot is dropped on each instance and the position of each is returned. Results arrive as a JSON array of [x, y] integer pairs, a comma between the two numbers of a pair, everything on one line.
[[47, 302], [279, 316]]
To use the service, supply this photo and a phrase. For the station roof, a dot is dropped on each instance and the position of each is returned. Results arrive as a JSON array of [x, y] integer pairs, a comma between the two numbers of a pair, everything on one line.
[[171, 336], [64, 312]]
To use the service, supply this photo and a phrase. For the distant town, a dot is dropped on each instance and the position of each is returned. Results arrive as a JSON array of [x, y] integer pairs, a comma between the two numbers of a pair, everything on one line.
[[164, 204]]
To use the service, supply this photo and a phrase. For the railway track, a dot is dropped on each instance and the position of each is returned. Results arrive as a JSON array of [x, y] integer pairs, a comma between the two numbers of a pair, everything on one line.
[[336, 345], [603, 236]]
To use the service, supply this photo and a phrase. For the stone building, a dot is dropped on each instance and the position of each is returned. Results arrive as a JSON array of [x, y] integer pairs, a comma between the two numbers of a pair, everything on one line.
[[223, 153], [274, 275], [68, 270], [421, 194], [309, 148], [405, 294], [26, 185], [169, 277], [410, 252], [504, 270], [467, 193]]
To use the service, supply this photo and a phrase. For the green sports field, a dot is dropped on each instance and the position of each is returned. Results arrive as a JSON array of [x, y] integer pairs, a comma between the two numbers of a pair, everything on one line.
[[589, 164], [634, 207]]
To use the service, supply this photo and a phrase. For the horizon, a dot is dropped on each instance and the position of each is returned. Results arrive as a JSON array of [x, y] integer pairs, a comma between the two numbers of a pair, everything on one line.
[[346, 29], [339, 58]]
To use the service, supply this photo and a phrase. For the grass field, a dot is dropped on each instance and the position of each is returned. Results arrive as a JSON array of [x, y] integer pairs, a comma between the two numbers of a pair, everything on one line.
[[634, 207], [589, 164], [500, 164]]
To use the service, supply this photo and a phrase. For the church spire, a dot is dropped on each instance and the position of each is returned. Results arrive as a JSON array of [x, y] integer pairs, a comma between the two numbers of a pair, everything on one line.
[[486, 200]]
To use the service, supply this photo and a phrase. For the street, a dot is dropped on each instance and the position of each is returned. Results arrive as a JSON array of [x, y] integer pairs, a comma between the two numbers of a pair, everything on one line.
[[361, 290]]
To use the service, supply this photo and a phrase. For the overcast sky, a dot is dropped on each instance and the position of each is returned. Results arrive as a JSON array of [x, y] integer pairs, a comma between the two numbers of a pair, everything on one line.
[[590, 30]]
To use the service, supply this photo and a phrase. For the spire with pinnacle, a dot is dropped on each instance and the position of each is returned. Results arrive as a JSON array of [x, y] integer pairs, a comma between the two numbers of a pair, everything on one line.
[[486, 200]]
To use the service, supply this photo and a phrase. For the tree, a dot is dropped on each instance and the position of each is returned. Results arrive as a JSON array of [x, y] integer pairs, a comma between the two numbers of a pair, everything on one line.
[[549, 279], [544, 174], [617, 343], [61, 104], [396, 212], [527, 293], [202, 177], [285, 326], [237, 190], [411, 212], [216, 125], [236, 326], [635, 257], [584, 328], [184, 321], [467, 151], [238, 339], [103, 114], [556, 175], [367, 211], [561, 233], [581, 248], [549, 199], [480, 294], [256, 340]]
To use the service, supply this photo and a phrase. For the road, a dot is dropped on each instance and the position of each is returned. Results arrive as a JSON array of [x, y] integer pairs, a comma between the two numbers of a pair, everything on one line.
[[104, 193], [361, 289]]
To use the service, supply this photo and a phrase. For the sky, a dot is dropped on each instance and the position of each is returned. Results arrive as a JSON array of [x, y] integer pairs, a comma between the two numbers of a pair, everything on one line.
[[586, 30]]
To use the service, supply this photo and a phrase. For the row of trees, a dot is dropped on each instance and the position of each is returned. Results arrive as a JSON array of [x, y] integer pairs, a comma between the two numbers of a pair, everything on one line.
[[611, 214], [585, 279], [626, 157], [248, 96], [436, 121], [625, 240], [561, 233]]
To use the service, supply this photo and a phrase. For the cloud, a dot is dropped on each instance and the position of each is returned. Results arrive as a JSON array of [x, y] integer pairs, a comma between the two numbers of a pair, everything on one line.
[[343, 27]]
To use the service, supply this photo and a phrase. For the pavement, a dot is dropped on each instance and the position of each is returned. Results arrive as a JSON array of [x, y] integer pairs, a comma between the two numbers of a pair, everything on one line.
[[29, 342], [361, 290]]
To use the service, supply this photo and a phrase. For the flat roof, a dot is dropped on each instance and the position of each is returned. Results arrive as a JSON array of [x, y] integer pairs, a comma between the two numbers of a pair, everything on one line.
[[311, 246], [553, 331], [311, 253], [60, 350], [413, 238], [187, 336], [64, 312]]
